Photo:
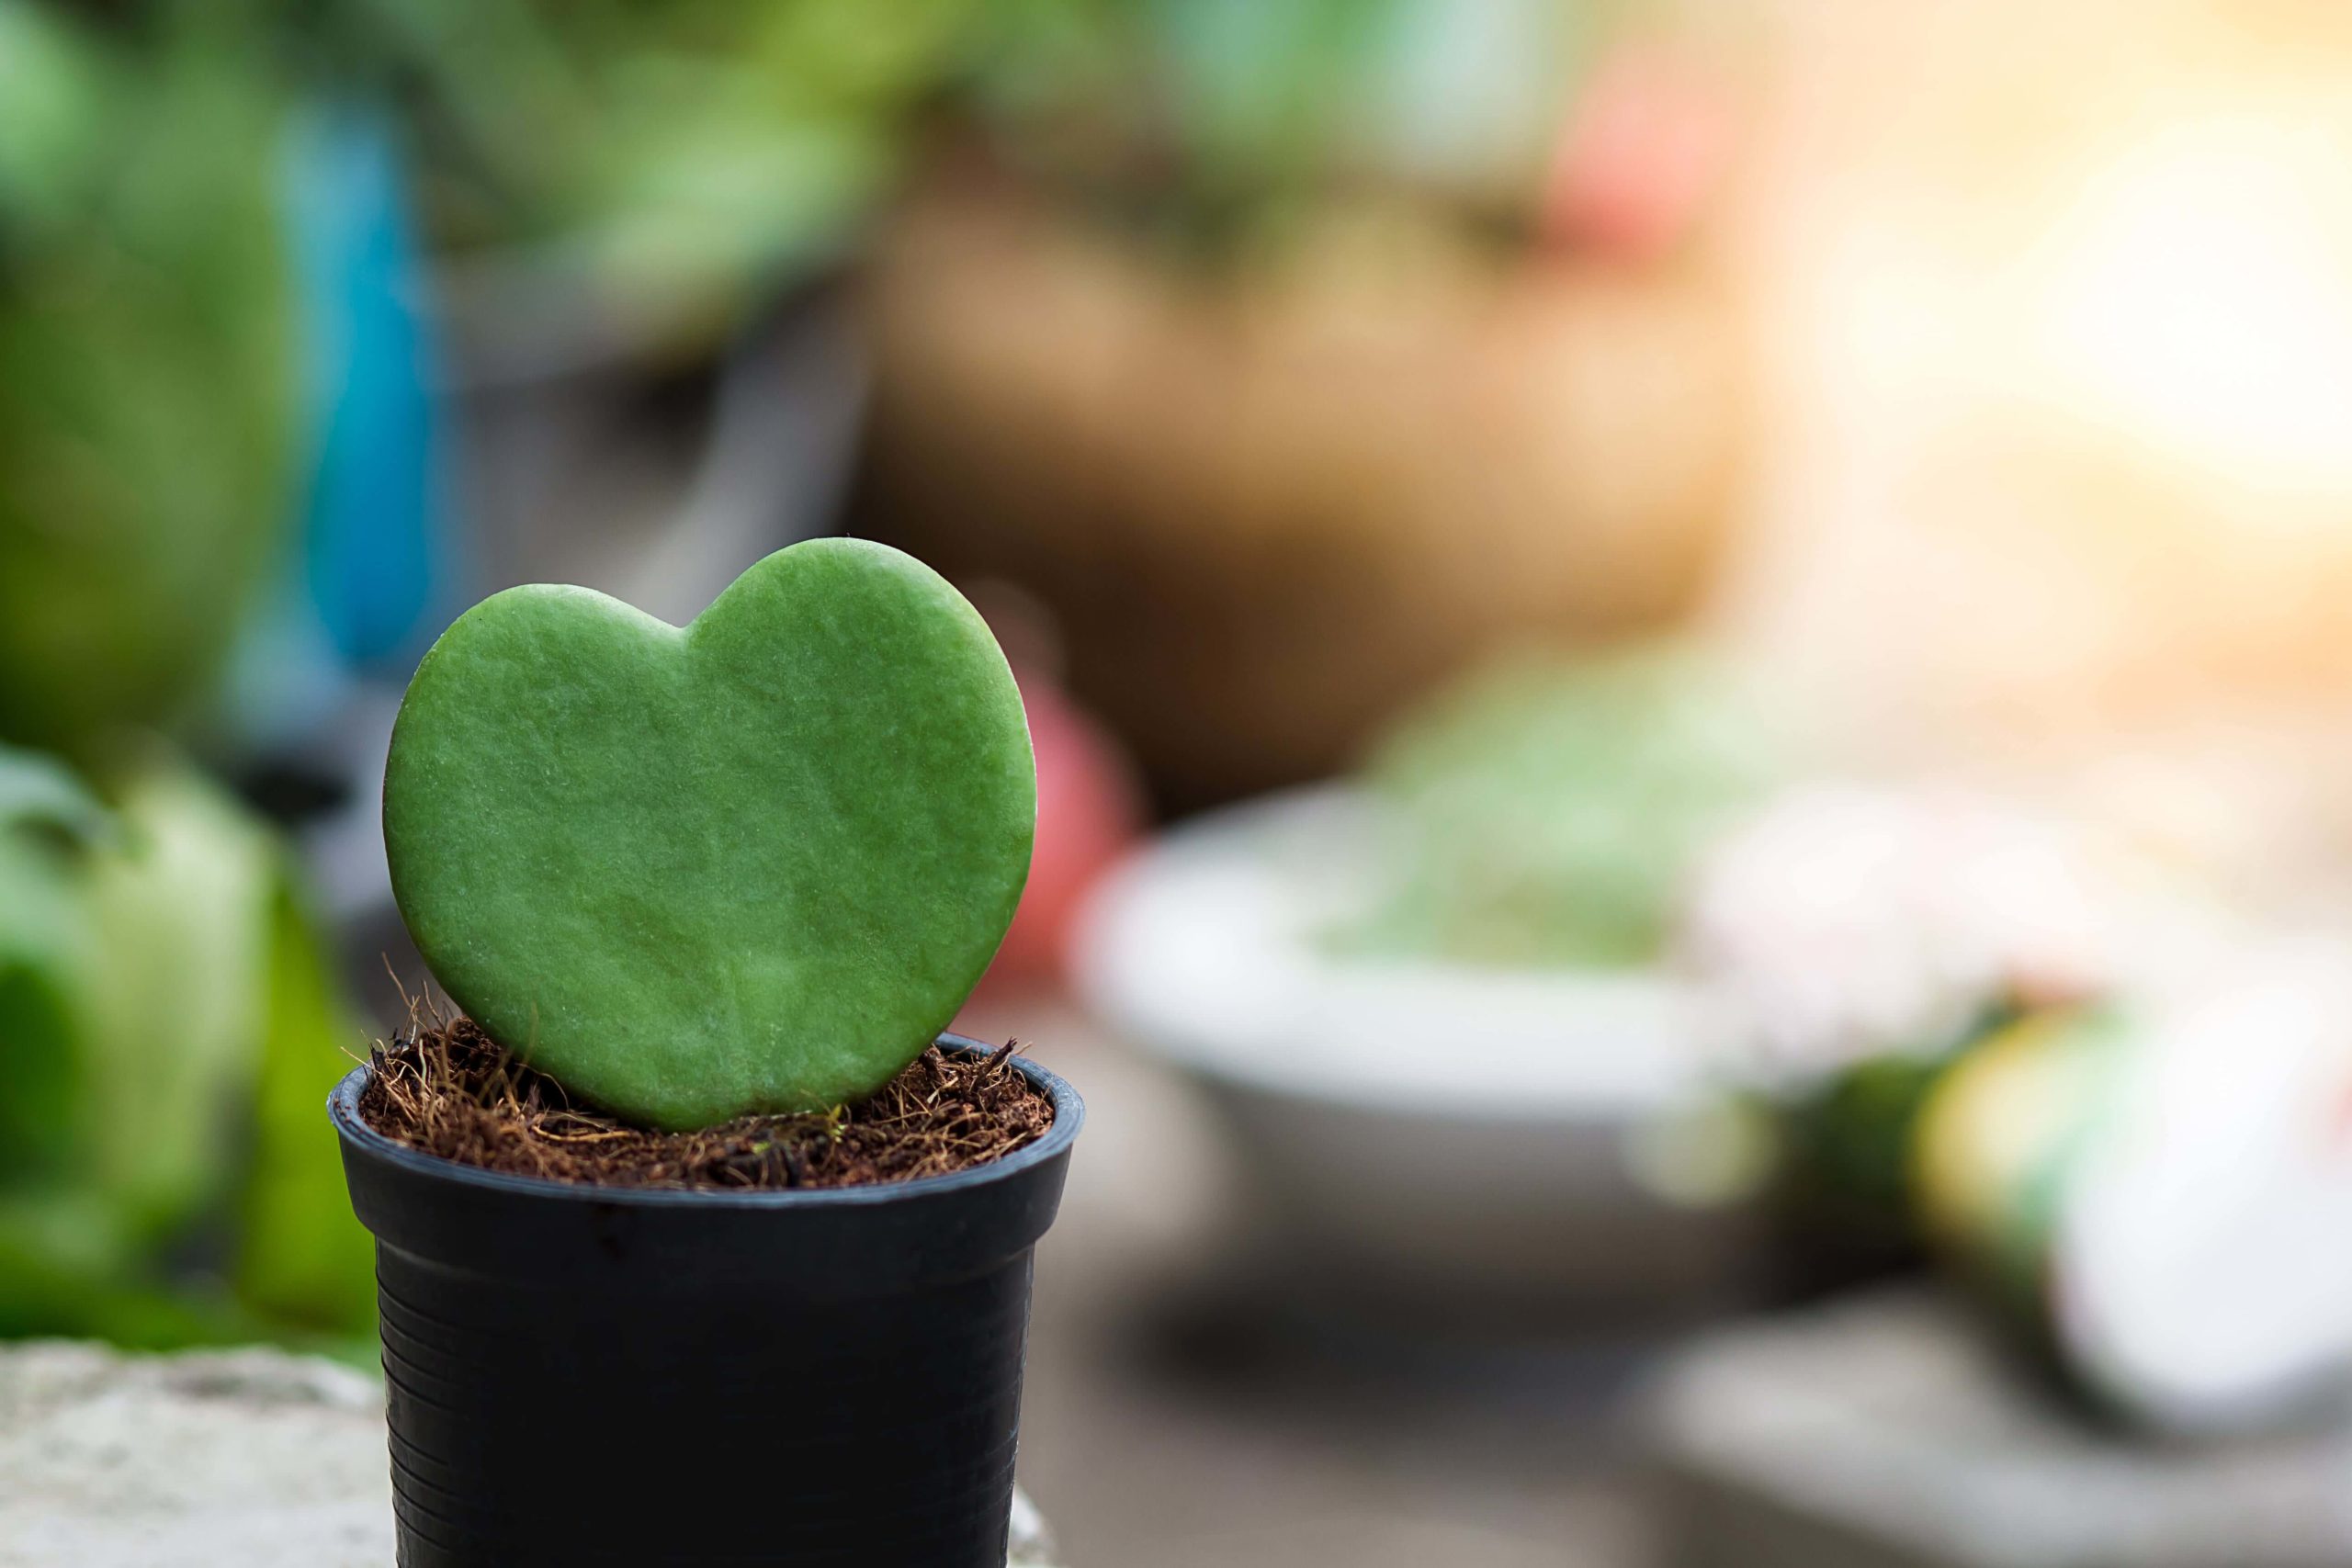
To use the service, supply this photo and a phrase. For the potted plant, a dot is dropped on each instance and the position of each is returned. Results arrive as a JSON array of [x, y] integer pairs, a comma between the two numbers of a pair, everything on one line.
[[693, 1245], [1376, 372]]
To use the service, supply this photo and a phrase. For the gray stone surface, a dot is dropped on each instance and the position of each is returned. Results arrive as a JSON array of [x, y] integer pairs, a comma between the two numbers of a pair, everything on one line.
[[1893, 1431], [246, 1458]]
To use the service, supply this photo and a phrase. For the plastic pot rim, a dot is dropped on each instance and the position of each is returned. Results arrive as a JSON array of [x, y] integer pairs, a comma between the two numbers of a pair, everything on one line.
[[1069, 1115]]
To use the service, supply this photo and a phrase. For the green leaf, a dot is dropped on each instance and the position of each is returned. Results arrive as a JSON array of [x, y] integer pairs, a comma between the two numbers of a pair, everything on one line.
[[754, 864]]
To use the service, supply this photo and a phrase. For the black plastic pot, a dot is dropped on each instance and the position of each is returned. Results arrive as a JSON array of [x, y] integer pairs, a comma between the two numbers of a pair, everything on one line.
[[590, 1375]]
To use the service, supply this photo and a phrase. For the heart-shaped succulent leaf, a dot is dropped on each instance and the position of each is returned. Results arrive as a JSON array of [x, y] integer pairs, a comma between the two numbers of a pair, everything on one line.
[[754, 864]]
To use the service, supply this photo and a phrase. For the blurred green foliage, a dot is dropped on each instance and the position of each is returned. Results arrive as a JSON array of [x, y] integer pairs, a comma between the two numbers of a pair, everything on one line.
[[1847, 1145], [695, 152], [164, 1004], [302, 1259], [1218, 126], [704, 149], [163, 1009], [1547, 810], [147, 363]]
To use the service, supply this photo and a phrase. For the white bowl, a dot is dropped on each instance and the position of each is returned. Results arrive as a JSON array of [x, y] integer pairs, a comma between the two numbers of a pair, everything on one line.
[[1431, 1125]]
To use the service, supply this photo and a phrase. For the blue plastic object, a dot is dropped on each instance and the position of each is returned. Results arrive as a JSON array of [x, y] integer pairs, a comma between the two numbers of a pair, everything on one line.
[[373, 542]]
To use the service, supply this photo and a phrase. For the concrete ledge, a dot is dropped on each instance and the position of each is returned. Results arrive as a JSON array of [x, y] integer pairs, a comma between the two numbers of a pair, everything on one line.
[[1893, 1431], [246, 1457]]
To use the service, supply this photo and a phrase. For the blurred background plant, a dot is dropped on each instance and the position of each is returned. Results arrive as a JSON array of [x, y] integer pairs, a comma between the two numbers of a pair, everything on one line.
[[1551, 811], [169, 1016], [166, 998], [675, 162], [148, 405]]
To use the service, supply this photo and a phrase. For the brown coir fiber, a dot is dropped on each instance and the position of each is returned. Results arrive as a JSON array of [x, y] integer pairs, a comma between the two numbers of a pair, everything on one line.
[[445, 1088]]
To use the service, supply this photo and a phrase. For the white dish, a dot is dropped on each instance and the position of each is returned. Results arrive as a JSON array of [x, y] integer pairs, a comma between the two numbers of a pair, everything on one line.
[[1432, 1125]]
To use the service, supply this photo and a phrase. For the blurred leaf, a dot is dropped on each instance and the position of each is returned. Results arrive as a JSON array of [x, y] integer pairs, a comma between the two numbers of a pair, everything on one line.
[[51, 98], [175, 1019], [47, 824], [162, 997], [2000, 1132], [690, 149], [146, 391], [37, 1081], [303, 1258], [1546, 811], [706, 201], [40, 792], [1850, 1144], [1263, 91], [72, 1266], [1224, 128]]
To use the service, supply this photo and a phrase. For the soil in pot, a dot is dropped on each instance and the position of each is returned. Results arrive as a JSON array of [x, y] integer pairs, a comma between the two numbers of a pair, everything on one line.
[[447, 1089]]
